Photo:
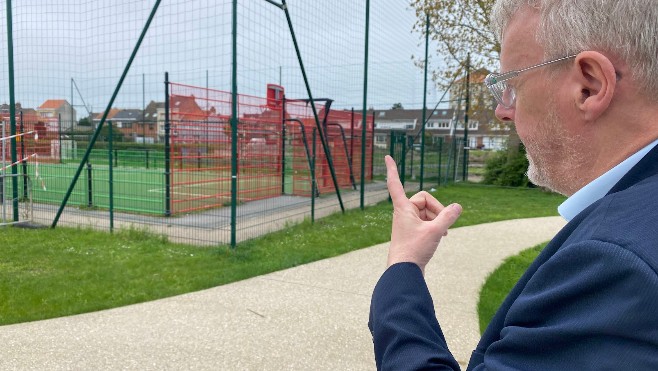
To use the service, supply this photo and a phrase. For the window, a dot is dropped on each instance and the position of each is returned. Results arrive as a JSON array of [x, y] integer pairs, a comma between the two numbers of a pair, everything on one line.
[[498, 127], [443, 125], [439, 125], [472, 125], [382, 114]]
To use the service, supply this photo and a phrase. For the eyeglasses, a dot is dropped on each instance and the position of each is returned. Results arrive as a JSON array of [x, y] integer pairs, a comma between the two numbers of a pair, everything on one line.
[[504, 93]]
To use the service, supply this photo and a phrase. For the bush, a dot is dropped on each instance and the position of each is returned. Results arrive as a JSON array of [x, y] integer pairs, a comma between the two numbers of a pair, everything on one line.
[[507, 169]]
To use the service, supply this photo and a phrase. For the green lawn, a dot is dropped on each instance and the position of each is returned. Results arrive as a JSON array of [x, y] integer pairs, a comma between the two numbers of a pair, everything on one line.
[[501, 281], [50, 273]]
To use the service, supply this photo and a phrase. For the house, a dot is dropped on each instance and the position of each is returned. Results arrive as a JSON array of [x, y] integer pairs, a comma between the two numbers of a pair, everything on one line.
[[441, 123], [29, 115], [189, 122], [58, 114], [132, 124], [110, 115], [493, 133], [154, 118]]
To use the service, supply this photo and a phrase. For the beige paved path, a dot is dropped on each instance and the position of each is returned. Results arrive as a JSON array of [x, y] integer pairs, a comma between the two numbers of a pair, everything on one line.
[[312, 317]]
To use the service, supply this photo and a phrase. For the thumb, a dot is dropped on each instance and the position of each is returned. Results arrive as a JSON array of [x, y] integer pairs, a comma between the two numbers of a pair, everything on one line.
[[447, 217]]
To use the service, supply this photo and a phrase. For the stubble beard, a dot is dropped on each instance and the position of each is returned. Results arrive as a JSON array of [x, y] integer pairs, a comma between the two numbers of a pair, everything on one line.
[[555, 157]]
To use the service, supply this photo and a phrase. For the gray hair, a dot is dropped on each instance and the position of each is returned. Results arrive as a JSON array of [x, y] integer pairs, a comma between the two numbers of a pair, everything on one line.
[[627, 29]]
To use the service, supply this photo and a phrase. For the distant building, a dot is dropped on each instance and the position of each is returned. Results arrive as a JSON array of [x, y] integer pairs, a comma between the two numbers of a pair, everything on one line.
[[482, 107], [58, 114], [130, 123], [440, 124], [29, 115], [110, 115], [154, 118]]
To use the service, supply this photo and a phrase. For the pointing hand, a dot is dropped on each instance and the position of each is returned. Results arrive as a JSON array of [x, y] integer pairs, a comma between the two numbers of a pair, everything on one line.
[[418, 222]]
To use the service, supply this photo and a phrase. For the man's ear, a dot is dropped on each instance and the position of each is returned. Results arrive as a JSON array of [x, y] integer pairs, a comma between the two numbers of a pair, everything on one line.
[[596, 79]]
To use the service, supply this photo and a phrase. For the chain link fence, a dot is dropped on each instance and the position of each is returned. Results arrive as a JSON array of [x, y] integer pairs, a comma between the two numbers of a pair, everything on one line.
[[266, 116]]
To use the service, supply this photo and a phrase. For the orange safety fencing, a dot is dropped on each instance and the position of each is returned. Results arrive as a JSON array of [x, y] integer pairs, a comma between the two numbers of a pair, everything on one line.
[[275, 142]]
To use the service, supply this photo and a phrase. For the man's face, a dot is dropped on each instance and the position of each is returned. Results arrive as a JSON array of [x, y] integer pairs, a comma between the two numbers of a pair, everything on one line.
[[540, 121]]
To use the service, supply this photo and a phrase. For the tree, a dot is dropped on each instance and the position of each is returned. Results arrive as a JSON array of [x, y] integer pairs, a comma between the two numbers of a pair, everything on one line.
[[397, 106], [458, 29]]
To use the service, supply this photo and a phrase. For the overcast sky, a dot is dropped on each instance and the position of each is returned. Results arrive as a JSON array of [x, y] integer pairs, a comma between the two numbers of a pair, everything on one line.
[[90, 42]]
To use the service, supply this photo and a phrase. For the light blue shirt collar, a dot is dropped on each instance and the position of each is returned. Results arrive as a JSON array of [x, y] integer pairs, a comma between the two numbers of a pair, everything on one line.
[[600, 186]]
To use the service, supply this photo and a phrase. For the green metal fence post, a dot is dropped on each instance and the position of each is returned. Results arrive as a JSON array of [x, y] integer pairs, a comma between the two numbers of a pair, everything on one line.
[[468, 95], [23, 159], [167, 149], [455, 153], [365, 112], [403, 140], [12, 111], [422, 129], [314, 185], [59, 137], [391, 152], [283, 147], [411, 165], [110, 175], [90, 184], [372, 148], [234, 124], [440, 160], [351, 154]]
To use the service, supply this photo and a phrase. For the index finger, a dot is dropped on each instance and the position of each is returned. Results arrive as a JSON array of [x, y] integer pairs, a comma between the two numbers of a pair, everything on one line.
[[393, 183]]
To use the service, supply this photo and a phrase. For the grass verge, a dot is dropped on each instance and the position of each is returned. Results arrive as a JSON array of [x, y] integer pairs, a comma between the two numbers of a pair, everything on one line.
[[501, 281], [51, 273]]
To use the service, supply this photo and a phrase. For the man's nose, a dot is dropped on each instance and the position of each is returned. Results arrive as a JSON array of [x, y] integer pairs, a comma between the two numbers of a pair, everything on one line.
[[504, 114]]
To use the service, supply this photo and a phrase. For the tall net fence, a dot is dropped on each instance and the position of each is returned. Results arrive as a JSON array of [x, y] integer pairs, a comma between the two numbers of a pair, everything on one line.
[[158, 152]]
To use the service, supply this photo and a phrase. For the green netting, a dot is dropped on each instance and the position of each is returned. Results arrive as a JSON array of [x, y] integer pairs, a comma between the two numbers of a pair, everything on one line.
[[70, 54]]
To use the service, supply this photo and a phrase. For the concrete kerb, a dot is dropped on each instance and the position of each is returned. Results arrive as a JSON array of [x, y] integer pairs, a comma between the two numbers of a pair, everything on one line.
[[308, 317]]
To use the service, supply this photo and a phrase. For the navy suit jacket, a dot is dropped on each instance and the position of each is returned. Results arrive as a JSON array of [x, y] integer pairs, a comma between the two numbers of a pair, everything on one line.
[[588, 302]]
